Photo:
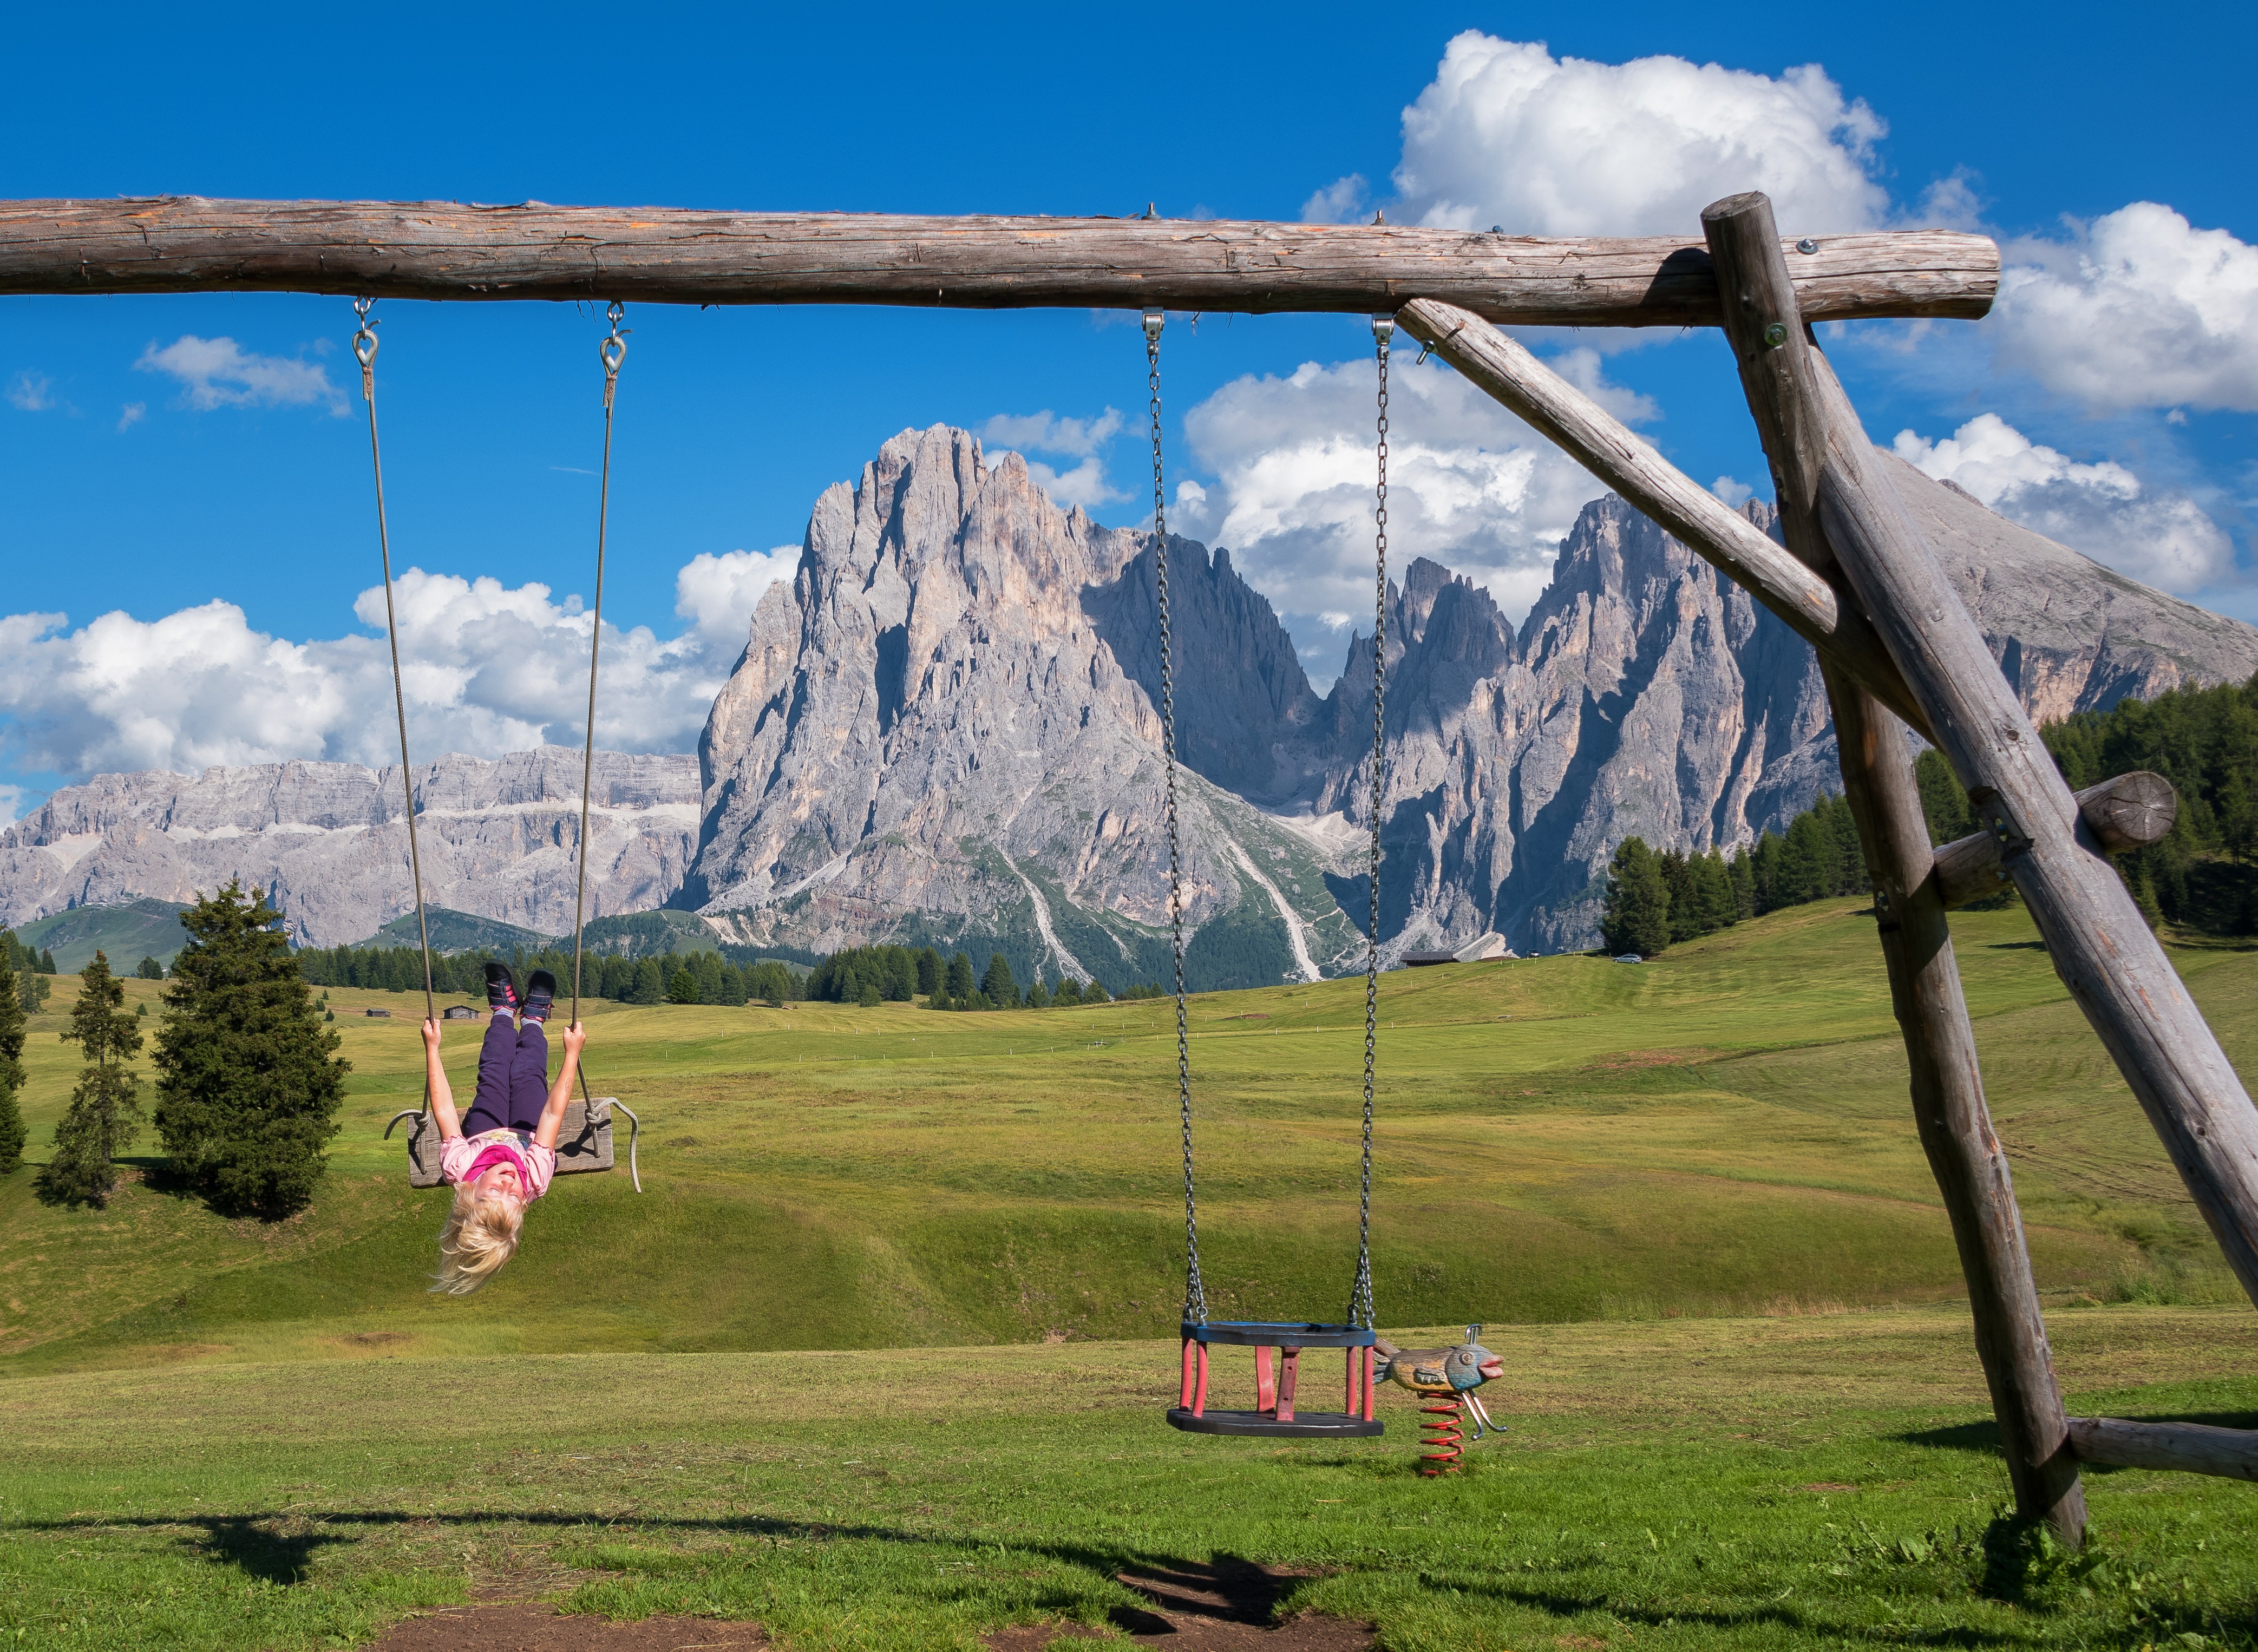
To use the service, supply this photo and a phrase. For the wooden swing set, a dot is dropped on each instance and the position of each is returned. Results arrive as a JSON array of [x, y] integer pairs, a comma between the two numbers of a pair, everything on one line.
[[1859, 579]]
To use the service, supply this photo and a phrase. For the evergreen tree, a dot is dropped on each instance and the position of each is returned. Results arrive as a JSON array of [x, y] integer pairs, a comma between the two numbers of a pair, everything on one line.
[[1637, 916], [46, 962], [709, 968], [997, 985], [1942, 798], [1744, 885], [649, 982], [1067, 994], [869, 996], [1719, 908], [1093, 992], [1805, 862], [683, 988], [248, 1082], [11, 1060], [1678, 878], [930, 970], [959, 984], [150, 969], [105, 1108], [1039, 995]]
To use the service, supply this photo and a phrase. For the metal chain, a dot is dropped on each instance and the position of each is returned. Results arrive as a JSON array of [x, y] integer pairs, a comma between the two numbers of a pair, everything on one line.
[[1194, 1288], [364, 349], [613, 351], [1359, 1306]]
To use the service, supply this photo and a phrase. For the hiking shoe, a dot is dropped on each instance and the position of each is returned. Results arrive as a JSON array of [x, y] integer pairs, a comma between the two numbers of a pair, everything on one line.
[[501, 986], [540, 993]]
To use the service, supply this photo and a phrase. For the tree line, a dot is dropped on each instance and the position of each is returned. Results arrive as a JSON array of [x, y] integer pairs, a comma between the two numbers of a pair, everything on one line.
[[248, 1082], [696, 977], [2203, 876], [873, 976], [28, 970]]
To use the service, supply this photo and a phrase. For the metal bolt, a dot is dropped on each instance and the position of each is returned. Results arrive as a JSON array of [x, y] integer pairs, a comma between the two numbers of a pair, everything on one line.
[[1806, 247], [1775, 336]]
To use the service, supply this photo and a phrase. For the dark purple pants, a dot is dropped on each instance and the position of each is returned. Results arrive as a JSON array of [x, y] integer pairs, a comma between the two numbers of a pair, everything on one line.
[[512, 1079]]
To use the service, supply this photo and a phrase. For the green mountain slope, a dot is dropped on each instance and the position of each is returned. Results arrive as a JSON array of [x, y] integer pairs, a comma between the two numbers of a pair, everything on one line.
[[125, 935]]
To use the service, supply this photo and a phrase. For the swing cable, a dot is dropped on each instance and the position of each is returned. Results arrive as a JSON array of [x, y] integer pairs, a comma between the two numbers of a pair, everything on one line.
[[1360, 1303], [1195, 1289], [613, 351], [364, 349]]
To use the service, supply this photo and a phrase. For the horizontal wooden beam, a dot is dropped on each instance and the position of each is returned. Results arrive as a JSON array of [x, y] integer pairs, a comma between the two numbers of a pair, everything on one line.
[[1501, 368], [2127, 813], [673, 255], [2192, 1448]]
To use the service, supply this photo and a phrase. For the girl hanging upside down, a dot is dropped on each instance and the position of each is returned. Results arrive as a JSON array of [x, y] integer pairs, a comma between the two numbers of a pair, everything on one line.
[[510, 1152]]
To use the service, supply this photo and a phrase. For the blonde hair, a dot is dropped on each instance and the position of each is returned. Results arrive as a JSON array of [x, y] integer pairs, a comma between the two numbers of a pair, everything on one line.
[[481, 1235]]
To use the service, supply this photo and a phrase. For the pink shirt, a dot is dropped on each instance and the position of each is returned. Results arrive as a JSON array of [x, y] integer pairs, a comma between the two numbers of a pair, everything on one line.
[[459, 1159]]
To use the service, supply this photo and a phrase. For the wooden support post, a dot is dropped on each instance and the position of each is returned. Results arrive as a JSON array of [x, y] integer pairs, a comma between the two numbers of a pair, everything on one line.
[[2125, 813], [1617, 456], [2101, 945], [1955, 1131]]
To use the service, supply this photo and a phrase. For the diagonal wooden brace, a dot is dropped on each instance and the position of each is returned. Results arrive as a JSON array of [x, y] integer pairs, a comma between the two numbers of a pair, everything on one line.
[[1713, 530]]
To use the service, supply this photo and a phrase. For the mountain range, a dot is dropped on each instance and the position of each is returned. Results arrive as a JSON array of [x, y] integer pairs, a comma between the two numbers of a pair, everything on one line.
[[944, 729]]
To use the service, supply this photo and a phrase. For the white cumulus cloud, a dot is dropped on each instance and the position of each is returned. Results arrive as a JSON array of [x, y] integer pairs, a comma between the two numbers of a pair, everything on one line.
[[1469, 485], [1511, 135], [487, 669], [718, 594], [1084, 484], [2138, 309], [218, 372], [2101, 509]]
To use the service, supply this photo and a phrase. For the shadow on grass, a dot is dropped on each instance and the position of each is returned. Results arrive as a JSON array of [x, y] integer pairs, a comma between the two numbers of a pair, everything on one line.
[[1227, 1588]]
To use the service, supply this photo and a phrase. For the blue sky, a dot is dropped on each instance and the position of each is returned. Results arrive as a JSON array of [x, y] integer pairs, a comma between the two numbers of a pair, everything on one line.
[[150, 468]]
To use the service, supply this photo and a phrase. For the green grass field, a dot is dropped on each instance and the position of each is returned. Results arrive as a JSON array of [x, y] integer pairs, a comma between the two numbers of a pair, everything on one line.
[[1687, 1196]]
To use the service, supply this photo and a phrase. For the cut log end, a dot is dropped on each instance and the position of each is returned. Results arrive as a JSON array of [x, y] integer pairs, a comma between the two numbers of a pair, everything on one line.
[[2127, 813]]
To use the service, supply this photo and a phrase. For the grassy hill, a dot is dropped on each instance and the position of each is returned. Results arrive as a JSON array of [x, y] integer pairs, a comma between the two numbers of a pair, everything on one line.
[[140, 929], [1720, 1131]]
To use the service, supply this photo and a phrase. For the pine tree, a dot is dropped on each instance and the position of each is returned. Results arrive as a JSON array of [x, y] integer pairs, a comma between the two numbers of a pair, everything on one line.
[[1637, 916], [683, 987], [46, 962], [1719, 908], [150, 969], [248, 1081], [11, 1061], [105, 1108], [1039, 995], [929, 970], [961, 984], [997, 985], [1744, 885]]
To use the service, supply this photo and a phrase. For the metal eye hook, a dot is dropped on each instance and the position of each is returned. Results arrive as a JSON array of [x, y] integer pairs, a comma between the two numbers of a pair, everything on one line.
[[1154, 320], [613, 350]]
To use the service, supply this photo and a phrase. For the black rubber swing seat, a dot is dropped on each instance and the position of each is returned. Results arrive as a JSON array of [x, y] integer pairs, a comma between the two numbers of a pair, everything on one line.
[[1306, 1425], [1195, 1416]]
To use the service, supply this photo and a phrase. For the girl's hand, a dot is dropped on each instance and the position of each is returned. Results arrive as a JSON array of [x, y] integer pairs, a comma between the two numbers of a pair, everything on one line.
[[431, 1036], [575, 1036]]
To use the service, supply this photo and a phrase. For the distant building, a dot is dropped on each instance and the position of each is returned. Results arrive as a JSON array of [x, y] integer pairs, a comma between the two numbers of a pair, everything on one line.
[[1481, 949], [459, 1012], [377, 1012]]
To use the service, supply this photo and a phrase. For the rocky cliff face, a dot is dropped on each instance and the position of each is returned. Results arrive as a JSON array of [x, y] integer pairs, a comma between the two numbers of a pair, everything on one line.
[[943, 732], [496, 839]]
